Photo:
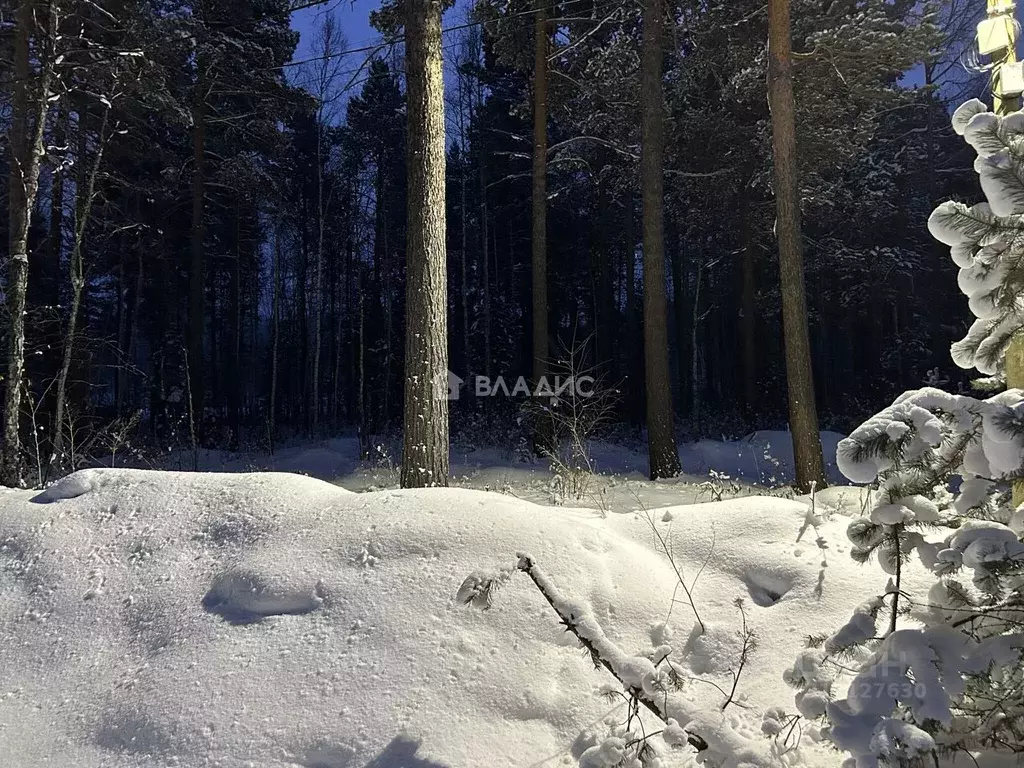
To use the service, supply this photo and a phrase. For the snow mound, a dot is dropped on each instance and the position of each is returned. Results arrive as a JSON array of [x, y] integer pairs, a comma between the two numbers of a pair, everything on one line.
[[157, 619]]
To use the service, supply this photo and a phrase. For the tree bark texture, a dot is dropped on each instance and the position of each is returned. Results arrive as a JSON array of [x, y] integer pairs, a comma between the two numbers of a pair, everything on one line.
[[425, 448], [663, 456], [803, 417], [28, 118]]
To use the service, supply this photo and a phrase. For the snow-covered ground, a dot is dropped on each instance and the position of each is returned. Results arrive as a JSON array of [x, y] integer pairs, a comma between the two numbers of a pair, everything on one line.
[[711, 469], [268, 619]]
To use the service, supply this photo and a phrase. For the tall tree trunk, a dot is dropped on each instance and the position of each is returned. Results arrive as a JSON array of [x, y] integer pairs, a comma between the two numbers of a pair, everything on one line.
[[28, 118], [197, 265], [748, 307], [47, 285], [298, 385], [632, 325], [275, 336], [339, 325], [361, 416], [680, 319], [236, 391], [318, 289], [663, 456], [803, 417], [133, 319], [600, 286], [465, 100], [486, 264], [540, 192], [86, 190], [696, 377], [467, 358], [425, 449]]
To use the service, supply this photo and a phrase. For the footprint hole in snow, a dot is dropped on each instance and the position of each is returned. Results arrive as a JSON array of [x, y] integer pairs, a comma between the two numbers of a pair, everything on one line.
[[133, 734], [243, 597], [766, 589], [329, 757]]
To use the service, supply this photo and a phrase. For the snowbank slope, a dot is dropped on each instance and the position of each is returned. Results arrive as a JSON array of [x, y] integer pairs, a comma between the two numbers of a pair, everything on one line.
[[155, 619]]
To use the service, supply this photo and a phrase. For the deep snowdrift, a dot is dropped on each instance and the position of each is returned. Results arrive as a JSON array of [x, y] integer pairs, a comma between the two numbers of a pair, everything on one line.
[[155, 619]]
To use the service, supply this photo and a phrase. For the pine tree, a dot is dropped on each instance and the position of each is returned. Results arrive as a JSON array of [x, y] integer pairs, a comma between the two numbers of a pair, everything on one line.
[[663, 456], [425, 445], [803, 415]]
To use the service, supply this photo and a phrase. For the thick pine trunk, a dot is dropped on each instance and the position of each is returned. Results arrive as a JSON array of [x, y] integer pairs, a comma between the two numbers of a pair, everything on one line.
[[425, 449], [540, 193], [28, 116], [803, 417], [663, 456]]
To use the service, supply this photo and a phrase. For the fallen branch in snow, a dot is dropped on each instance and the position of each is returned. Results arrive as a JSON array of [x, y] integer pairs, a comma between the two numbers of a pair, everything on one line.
[[645, 681], [603, 651]]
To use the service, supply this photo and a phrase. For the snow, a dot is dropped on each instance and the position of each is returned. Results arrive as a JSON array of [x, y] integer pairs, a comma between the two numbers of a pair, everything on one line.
[[212, 619], [764, 457]]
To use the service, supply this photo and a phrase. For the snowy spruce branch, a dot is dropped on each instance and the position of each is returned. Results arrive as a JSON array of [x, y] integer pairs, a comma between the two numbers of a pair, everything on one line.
[[945, 674]]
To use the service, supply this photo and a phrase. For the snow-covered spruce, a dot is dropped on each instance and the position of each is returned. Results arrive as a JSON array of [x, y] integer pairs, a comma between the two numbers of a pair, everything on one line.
[[987, 239], [952, 679]]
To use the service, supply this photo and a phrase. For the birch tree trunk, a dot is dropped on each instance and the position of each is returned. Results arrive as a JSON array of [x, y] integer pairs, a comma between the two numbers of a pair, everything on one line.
[[28, 118], [803, 418], [83, 208], [425, 449], [663, 456]]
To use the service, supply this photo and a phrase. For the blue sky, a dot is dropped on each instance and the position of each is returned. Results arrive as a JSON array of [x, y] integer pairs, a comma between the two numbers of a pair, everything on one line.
[[353, 17]]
